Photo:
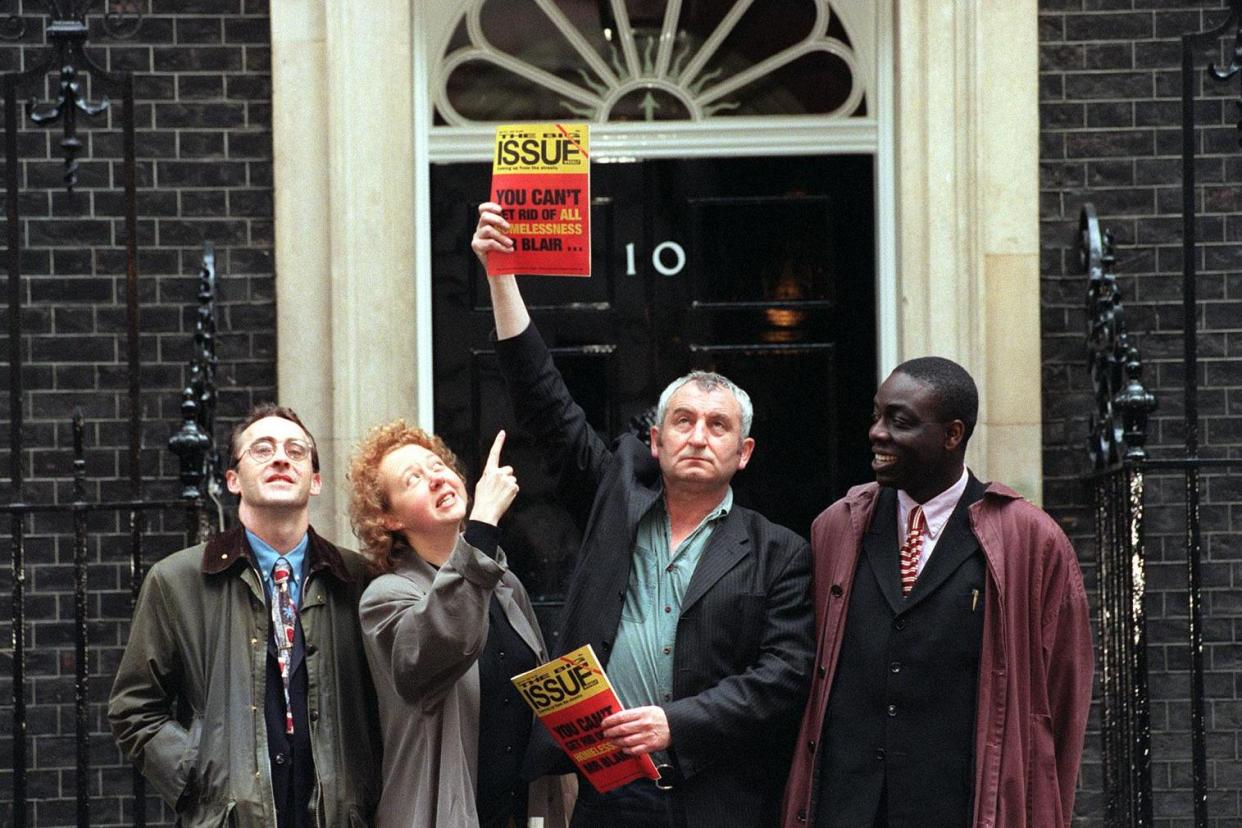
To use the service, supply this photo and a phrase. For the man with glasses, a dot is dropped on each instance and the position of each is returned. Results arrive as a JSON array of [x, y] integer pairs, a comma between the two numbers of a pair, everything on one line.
[[243, 694]]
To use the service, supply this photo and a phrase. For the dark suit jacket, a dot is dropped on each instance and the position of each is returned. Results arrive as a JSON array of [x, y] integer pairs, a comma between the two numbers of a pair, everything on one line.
[[745, 636]]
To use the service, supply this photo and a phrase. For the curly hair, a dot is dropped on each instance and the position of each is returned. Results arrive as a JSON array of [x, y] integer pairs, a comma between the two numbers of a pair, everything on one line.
[[368, 502]]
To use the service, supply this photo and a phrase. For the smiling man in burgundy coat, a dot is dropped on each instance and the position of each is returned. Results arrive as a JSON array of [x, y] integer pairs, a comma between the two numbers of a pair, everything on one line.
[[953, 656]]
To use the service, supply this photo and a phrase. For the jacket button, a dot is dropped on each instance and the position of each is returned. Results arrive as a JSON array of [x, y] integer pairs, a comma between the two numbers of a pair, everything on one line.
[[823, 670], [892, 711], [836, 590], [810, 746], [895, 667], [879, 754], [899, 624], [314, 715], [281, 758], [607, 646]]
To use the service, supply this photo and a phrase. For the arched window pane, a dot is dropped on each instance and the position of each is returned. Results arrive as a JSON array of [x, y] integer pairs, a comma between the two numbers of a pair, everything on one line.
[[647, 60]]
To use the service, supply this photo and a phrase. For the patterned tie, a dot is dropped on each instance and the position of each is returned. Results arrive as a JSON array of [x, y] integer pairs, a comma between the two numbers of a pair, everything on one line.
[[912, 549], [284, 616]]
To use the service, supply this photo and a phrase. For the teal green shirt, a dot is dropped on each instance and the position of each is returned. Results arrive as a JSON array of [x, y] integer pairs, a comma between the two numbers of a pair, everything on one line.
[[641, 666]]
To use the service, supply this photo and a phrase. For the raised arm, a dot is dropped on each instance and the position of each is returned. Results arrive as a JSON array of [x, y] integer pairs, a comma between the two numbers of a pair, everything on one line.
[[429, 638], [541, 401], [507, 305]]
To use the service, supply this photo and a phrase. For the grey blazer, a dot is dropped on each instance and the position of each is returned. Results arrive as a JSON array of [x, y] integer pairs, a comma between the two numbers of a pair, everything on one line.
[[423, 630]]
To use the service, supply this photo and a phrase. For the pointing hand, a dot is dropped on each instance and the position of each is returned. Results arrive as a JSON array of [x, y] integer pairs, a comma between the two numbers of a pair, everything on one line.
[[497, 487]]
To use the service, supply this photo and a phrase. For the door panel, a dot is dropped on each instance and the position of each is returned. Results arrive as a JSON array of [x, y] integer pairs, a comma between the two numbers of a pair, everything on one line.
[[761, 268]]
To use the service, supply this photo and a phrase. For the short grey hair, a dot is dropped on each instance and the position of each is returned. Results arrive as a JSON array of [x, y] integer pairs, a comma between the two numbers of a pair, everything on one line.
[[708, 381]]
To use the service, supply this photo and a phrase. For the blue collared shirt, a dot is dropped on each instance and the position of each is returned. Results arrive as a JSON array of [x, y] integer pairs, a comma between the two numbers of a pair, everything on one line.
[[265, 556]]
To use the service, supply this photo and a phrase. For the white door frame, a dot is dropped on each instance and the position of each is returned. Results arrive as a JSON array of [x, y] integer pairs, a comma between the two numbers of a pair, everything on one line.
[[711, 138]]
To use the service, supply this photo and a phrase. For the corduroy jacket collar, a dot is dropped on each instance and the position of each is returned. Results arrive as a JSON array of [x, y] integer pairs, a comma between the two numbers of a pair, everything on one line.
[[227, 548]]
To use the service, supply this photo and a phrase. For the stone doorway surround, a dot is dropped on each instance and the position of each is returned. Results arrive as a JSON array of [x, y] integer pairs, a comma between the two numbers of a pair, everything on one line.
[[351, 190]]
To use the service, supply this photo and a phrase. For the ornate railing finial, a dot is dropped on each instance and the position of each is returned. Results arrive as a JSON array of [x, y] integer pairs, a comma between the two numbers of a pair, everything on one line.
[[66, 108], [1136, 404], [66, 32], [201, 465], [1123, 404], [192, 446]]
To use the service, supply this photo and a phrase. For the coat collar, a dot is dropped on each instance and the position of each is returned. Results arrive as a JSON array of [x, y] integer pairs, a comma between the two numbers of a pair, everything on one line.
[[996, 497], [224, 551], [860, 503]]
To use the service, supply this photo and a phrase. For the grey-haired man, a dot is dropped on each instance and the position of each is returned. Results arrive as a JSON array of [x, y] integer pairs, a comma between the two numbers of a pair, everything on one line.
[[698, 608]]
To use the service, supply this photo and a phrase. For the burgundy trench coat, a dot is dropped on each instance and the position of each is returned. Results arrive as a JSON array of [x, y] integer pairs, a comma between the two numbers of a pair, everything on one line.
[[1035, 668]]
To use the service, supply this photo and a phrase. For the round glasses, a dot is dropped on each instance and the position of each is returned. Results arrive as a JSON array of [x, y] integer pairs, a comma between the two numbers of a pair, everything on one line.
[[264, 449]]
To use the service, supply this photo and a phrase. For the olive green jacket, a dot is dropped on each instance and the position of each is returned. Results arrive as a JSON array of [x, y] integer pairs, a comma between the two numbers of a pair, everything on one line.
[[187, 705]]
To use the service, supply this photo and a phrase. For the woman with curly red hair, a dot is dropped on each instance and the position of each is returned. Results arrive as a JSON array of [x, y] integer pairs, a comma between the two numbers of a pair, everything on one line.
[[445, 625]]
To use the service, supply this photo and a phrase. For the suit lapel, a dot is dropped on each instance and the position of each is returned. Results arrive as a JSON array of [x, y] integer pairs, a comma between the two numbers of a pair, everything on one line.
[[727, 545], [640, 502], [882, 549], [956, 544]]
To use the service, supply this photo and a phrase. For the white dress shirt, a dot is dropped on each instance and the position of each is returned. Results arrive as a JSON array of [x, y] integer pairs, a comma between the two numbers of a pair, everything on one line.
[[936, 511]]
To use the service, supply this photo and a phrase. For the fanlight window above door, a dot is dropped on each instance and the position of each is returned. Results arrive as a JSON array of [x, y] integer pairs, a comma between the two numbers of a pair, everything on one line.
[[651, 60]]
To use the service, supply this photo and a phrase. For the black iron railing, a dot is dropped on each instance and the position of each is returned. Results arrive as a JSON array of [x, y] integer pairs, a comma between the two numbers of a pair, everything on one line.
[[66, 56], [1122, 464]]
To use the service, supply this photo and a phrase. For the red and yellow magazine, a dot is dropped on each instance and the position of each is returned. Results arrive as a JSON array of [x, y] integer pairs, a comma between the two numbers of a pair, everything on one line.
[[541, 178], [571, 695]]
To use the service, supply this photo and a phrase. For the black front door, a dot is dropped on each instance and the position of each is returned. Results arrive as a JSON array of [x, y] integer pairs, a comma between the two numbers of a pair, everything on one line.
[[760, 268]]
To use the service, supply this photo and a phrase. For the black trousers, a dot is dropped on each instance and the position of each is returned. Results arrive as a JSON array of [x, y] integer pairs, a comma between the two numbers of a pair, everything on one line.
[[636, 805]]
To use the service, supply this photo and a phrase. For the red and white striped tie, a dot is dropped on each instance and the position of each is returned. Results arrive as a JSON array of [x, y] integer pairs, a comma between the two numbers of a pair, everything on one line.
[[912, 549]]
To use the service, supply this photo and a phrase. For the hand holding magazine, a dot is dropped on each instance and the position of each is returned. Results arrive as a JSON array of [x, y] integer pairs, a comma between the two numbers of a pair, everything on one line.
[[541, 178], [571, 695]]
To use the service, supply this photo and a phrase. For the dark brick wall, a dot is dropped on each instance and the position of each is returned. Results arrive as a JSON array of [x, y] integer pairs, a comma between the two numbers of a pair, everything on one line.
[[203, 119], [1109, 134], [1110, 113]]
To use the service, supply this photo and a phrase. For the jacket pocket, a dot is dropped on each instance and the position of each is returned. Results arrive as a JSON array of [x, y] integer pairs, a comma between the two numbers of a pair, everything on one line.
[[187, 765]]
